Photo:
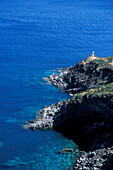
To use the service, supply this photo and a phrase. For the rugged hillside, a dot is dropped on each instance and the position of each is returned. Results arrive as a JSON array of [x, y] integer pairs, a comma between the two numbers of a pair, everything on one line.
[[93, 72], [87, 117], [88, 113]]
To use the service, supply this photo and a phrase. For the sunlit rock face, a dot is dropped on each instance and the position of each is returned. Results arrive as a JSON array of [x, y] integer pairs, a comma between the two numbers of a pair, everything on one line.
[[93, 72]]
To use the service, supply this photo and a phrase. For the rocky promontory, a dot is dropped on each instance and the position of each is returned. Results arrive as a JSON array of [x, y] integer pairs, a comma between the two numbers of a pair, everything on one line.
[[87, 74], [87, 117]]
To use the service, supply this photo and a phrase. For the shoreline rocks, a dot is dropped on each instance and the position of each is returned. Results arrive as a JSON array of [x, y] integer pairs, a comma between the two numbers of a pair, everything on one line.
[[95, 160], [87, 117], [84, 75]]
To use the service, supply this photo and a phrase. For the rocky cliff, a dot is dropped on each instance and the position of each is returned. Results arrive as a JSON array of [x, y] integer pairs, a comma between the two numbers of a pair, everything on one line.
[[88, 113], [84, 75], [87, 117]]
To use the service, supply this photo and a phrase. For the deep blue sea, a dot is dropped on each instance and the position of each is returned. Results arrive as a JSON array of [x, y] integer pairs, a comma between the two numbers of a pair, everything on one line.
[[36, 37]]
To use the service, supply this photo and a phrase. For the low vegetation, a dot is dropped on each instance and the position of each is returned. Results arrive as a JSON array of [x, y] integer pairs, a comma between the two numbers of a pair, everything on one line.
[[98, 91], [103, 61], [109, 59]]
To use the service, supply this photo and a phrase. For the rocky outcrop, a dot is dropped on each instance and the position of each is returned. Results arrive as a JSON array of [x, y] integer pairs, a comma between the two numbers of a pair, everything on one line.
[[84, 75], [66, 150], [96, 160], [87, 117]]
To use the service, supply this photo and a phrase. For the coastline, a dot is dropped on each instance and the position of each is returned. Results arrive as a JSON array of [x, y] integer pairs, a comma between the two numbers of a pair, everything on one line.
[[87, 116]]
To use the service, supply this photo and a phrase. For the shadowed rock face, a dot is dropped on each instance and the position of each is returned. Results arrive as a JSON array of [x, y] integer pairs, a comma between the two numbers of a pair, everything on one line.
[[87, 117], [84, 75], [87, 120]]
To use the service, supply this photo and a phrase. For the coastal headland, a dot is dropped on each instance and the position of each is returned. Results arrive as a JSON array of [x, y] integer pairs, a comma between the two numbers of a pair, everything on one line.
[[87, 117]]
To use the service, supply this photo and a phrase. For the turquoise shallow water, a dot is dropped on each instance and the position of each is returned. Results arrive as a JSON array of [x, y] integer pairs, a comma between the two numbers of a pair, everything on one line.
[[36, 37], [35, 150]]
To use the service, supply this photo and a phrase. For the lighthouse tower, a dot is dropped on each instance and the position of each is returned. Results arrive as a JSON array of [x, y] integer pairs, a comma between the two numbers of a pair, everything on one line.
[[93, 54]]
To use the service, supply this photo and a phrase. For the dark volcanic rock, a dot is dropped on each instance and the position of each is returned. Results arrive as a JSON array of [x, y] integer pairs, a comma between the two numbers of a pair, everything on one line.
[[84, 75], [87, 117]]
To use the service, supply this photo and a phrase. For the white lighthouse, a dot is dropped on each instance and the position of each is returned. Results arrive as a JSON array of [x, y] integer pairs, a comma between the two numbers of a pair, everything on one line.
[[93, 54]]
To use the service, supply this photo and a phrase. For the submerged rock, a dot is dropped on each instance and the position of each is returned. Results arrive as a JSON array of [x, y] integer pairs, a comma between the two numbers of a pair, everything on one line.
[[14, 163], [66, 150], [1, 144]]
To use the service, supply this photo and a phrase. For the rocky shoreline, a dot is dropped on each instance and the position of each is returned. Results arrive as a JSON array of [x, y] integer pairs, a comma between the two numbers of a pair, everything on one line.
[[85, 75], [87, 117], [98, 159]]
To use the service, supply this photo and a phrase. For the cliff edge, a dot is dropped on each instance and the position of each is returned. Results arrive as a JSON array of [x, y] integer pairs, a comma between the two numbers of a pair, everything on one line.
[[87, 117], [87, 74]]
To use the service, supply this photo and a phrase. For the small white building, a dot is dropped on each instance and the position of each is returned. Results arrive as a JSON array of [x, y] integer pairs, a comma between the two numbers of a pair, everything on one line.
[[91, 57], [93, 54]]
